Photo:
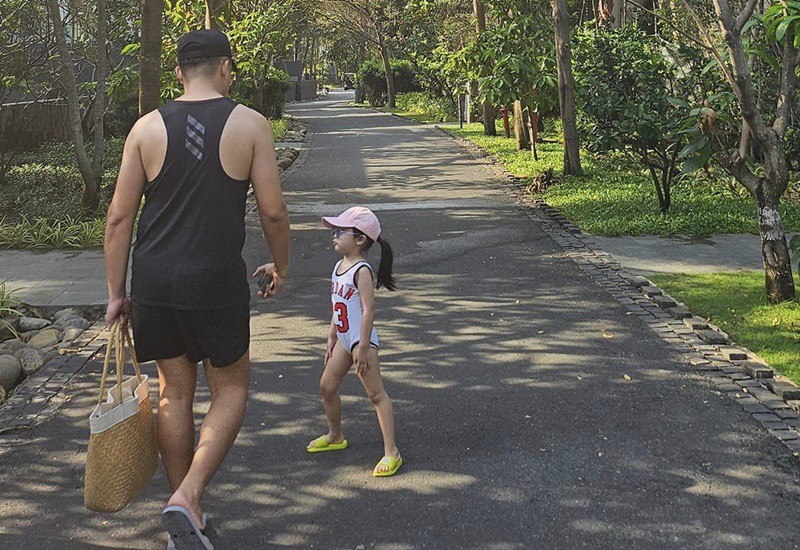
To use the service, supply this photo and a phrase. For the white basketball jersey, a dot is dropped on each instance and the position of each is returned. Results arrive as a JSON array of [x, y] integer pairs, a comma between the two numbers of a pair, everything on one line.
[[347, 310]]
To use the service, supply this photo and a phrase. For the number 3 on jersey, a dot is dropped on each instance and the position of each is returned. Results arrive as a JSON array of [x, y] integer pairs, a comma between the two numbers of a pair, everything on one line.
[[341, 322]]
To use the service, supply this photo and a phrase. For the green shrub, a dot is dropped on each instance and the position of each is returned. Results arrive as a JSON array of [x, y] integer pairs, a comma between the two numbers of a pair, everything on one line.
[[279, 128], [626, 86], [46, 183], [371, 79], [44, 234], [421, 103], [266, 92]]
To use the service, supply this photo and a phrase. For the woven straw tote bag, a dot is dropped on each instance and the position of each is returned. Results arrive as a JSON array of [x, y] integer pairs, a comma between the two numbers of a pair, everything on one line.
[[123, 455]]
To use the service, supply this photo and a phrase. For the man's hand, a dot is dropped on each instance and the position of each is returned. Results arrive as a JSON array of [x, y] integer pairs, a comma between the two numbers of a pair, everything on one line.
[[362, 359], [118, 309], [278, 280]]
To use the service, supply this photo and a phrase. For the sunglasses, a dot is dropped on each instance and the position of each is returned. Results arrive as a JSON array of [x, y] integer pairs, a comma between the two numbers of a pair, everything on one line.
[[338, 232]]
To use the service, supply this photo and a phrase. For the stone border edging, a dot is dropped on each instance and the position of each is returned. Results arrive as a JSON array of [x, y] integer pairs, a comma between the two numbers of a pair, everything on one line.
[[35, 400], [736, 372]]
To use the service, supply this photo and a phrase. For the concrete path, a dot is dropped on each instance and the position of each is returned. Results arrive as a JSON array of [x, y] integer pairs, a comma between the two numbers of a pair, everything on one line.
[[505, 364], [649, 254]]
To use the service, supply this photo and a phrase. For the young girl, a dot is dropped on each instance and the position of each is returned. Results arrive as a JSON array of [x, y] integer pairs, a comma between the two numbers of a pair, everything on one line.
[[352, 338]]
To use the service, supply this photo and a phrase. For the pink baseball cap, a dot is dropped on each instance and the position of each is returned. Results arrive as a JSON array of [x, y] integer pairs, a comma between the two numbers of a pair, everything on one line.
[[359, 217]]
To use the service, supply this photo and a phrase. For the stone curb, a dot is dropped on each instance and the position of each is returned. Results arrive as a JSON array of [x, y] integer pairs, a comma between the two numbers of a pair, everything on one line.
[[737, 372], [36, 399]]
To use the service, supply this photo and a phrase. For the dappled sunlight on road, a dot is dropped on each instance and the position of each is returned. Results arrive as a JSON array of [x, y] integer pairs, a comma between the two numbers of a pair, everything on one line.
[[532, 412]]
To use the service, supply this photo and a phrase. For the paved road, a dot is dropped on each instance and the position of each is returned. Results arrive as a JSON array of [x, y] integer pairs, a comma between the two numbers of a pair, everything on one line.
[[518, 427]]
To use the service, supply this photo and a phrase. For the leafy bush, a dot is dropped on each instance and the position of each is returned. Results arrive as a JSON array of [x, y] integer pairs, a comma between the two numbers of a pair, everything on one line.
[[46, 184], [43, 233], [626, 89], [421, 103], [279, 128], [264, 91], [371, 79]]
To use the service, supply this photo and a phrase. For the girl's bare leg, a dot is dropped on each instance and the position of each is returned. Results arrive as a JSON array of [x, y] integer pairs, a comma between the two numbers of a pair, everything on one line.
[[383, 406], [337, 367]]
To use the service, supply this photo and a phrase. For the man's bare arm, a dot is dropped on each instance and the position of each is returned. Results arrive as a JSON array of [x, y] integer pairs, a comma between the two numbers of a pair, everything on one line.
[[271, 206], [122, 214]]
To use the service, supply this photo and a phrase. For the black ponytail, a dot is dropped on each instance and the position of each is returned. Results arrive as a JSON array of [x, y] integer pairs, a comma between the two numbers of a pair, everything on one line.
[[385, 277]]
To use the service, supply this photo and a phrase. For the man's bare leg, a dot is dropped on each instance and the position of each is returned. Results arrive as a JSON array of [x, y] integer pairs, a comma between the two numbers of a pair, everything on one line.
[[177, 380], [229, 386]]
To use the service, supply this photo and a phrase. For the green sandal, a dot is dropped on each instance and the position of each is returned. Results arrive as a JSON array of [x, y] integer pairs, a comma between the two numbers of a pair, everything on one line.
[[321, 444]]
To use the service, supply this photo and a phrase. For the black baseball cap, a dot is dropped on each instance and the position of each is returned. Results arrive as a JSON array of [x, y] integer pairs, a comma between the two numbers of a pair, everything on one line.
[[204, 43]]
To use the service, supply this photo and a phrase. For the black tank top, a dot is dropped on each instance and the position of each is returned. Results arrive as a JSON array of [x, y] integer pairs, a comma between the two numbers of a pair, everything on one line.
[[188, 251]]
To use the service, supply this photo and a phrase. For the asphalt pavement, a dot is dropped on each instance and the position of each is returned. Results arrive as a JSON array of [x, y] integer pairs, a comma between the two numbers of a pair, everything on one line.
[[507, 369]]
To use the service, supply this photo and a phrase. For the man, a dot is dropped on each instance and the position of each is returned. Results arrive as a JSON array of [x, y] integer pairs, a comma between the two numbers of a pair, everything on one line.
[[193, 159]]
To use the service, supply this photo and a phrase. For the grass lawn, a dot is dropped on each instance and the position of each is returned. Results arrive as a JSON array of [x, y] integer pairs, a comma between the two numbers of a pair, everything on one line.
[[617, 197], [737, 303]]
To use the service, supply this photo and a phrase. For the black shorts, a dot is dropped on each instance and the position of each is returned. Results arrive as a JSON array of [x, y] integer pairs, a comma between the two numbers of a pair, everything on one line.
[[220, 335]]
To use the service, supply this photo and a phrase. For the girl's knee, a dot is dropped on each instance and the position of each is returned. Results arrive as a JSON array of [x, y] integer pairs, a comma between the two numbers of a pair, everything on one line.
[[328, 390], [378, 397]]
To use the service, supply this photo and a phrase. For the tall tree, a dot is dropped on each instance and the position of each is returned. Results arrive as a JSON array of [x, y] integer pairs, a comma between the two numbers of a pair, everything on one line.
[[765, 175], [566, 89], [370, 20], [91, 170], [91, 197], [150, 56], [488, 110]]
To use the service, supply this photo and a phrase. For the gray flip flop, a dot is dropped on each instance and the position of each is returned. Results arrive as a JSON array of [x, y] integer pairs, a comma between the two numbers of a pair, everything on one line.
[[171, 544], [183, 531]]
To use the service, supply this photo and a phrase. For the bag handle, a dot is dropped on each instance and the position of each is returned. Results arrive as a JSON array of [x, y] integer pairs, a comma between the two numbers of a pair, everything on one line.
[[119, 339]]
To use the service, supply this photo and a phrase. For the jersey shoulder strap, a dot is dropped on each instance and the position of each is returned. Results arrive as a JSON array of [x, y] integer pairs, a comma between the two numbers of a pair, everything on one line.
[[335, 272], [357, 268]]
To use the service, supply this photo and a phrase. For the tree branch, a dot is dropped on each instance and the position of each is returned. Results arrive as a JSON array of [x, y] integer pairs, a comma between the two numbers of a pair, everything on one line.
[[787, 86], [710, 44], [741, 80], [745, 14]]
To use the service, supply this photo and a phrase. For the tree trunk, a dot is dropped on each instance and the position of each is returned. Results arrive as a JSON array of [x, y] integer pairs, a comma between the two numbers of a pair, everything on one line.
[[620, 12], [70, 84], [216, 10], [387, 68], [566, 89], [91, 197], [489, 127], [605, 13], [775, 252], [521, 127], [150, 56], [472, 112]]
